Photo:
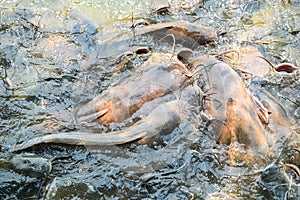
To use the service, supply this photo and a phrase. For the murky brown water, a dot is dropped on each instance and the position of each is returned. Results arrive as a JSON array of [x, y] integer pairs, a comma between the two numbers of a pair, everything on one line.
[[48, 68]]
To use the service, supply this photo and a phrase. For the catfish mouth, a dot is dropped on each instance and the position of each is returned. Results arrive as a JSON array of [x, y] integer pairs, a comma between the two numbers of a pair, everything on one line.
[[286, 67]]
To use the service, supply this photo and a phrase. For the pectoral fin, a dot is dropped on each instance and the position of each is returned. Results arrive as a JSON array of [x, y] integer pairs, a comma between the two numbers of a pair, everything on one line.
[[93, 116]]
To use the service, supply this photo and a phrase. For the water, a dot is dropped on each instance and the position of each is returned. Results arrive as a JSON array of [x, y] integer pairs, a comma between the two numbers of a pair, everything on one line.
[[45, 76]]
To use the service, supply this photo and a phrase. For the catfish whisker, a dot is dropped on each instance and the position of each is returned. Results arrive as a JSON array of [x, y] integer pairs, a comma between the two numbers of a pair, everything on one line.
[[173, 45]]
